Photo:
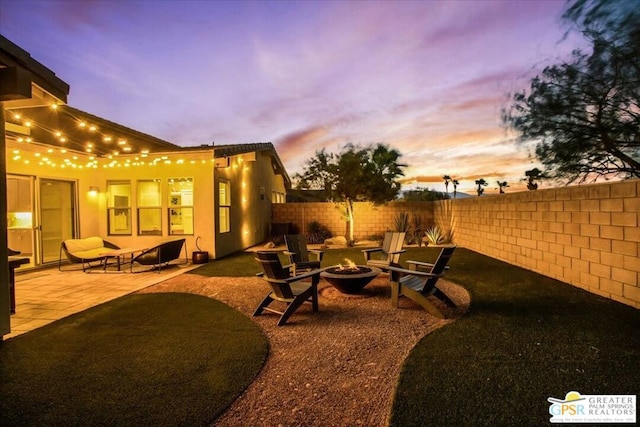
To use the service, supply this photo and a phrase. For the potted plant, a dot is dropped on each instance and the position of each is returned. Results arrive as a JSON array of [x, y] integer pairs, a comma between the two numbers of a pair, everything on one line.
[[199, 256]]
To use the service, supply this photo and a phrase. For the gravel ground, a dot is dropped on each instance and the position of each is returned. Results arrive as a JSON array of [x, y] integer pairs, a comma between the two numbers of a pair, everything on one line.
[[337, 367]]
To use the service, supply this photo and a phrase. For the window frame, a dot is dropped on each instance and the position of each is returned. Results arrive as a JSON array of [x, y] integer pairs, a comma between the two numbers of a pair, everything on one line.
[[178, 205], [152, 210], [224, 206], [115, 210]]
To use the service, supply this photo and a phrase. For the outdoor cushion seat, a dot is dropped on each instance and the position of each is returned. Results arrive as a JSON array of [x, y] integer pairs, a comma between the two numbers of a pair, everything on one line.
[[85, 251], [161, 255]]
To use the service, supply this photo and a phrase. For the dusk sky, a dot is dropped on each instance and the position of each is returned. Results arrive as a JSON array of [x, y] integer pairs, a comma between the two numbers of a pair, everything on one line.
[[428, 78]]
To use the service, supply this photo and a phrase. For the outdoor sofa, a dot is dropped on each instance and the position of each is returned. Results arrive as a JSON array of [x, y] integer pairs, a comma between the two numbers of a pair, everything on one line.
[[85, 251]]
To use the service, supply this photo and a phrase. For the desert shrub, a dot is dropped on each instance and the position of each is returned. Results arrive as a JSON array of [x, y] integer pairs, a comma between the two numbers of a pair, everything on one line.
[[417, 230], [317, 233], [402, 222]]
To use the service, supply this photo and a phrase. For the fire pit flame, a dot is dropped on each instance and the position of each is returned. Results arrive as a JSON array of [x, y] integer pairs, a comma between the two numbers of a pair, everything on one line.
[[351, 266]]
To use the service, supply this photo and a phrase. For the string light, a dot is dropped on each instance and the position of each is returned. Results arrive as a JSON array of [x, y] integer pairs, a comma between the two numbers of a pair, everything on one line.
[[81, 123], [89, 147]]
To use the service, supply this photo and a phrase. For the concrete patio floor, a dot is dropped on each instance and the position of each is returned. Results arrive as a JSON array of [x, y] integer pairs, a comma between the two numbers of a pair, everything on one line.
[[43, 296]]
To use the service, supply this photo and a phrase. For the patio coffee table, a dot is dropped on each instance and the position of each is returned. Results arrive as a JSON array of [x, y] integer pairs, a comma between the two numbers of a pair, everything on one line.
[[119, 255]]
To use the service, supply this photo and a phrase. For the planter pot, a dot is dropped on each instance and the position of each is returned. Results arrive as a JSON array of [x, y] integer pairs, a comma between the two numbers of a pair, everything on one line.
[[200, 257]]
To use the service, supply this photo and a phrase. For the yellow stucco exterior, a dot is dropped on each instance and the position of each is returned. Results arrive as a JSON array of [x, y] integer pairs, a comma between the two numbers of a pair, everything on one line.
[[250, 176]]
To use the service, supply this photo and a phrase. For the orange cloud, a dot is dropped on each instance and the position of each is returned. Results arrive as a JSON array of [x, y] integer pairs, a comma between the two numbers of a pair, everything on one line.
[[422, 179], [300, 141]]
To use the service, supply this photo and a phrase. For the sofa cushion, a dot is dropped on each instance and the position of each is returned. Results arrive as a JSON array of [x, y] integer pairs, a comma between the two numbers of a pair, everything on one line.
[[91, 254], [75, 246]]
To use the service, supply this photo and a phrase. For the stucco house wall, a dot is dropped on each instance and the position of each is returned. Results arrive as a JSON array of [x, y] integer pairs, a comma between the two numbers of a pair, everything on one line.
[[250, 173], [253, 180], [195, 165], [88, 204], [92, 208]]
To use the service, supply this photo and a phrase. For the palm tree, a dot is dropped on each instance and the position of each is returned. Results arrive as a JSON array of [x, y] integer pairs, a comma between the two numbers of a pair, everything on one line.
[[446, 178], [481, 183], [455, 187], [531, 177], [502, 186]]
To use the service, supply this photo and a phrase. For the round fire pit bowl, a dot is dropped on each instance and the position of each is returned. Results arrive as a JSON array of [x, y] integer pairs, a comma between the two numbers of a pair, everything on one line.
[[350, 280]]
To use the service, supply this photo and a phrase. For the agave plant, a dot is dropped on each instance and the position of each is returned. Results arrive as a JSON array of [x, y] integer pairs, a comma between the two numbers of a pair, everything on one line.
[[402, 222], [434, 235]]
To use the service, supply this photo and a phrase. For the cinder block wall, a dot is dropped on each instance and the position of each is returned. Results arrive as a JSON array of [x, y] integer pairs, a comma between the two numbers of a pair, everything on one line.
[[588, 236], [370, 220]]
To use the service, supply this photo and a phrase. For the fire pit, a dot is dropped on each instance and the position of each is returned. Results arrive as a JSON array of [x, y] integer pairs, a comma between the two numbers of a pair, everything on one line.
[[350, 279]]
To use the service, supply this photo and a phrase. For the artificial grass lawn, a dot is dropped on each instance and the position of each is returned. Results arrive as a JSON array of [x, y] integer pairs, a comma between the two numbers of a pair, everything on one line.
[[525, 338], [145, 359]]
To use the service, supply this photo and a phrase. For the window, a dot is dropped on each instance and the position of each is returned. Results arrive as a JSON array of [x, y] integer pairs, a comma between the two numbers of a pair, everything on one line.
[[149, 208], [180, 205], [119, 207], [277, 197], [224, 210]]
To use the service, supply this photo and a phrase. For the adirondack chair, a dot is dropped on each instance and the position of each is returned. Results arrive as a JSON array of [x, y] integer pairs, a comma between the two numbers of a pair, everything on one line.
[[299, 254], [285, 287], [388, 254], [419, 282]]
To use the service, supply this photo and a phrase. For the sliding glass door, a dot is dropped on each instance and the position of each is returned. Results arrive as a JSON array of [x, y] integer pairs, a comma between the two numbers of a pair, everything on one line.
[[57, 216]]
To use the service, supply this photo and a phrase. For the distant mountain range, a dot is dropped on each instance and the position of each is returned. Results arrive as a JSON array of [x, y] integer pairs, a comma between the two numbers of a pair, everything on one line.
[[460, 195]]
